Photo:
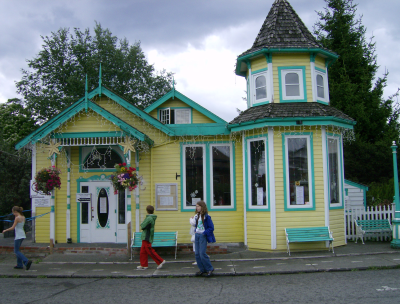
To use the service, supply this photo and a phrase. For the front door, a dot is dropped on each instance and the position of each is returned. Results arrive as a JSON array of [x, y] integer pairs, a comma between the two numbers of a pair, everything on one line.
[[99, 217]]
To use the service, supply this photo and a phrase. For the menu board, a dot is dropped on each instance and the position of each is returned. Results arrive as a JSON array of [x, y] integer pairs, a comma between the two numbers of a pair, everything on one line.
[[167, 196]]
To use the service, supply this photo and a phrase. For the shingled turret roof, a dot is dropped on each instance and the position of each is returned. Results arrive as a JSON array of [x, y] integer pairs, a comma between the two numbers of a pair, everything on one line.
[[283, 29]]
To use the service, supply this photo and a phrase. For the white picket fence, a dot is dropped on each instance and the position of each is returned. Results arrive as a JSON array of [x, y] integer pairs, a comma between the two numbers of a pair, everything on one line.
[[372, 213]]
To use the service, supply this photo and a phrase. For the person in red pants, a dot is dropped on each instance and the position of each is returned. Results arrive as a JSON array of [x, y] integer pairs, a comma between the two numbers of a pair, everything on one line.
[[147, 238]]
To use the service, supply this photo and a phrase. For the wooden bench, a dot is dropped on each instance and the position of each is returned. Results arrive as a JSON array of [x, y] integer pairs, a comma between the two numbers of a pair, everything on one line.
[[372, 227], [161, 239], [308, 234]]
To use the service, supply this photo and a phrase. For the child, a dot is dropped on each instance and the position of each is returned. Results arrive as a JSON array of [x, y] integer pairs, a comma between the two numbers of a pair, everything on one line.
[[147, 238], [18, 225]]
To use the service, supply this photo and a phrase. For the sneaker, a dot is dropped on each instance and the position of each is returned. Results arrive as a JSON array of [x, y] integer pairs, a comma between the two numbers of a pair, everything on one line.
[[161, 265], [195, 263], [28, 265], [142, 268], [17, 267]]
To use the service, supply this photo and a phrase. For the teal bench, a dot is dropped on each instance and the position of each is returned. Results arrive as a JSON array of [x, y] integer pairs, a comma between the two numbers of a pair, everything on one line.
[[161, 239], [308, 234], [374, 227]]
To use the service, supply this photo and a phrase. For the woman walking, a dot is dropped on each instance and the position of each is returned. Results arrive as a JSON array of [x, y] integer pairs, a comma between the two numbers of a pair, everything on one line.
[[18, 225], [204, 233]]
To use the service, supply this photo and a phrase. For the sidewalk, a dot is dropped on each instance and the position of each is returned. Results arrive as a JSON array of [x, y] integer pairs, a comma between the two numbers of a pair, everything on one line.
[[372, 255]]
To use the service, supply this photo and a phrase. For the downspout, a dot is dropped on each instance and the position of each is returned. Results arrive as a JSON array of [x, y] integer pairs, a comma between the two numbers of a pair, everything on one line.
[[271, 160], [326, 178], [244, 190], [33, 205]]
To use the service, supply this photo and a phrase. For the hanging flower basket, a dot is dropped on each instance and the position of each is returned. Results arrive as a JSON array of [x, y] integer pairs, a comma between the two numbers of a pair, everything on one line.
[[125, 177], [47, 179]]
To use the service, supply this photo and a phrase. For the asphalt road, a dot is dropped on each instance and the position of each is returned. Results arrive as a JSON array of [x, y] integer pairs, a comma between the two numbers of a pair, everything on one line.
[[373, 286]]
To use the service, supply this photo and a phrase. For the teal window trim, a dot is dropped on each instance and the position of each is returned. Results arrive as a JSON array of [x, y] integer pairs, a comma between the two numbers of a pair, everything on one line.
[[174, 108], [207, 172], [341, 180], [82, 161], [259, 71], [232, 207], [247, 195], [320, 70], [260, 103], [310, 144], [206, 175], [303, 85], [324, 75], [102, 177]]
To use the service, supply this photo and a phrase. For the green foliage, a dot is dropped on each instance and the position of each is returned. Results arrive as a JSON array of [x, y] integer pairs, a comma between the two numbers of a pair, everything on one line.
[[56, 76], [355, 90], [380, 193]]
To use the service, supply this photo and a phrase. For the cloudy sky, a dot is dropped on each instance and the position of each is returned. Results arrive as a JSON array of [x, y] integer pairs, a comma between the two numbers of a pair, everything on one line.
[[196, 40]]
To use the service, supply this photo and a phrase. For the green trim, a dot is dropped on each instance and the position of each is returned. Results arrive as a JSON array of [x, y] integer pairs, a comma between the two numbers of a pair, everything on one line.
[[68, 196], [174, 108], [128, 208], [285, 178], [246, 158], [247, 57], [68, 206], [88, 134], [81, 161], [268, 57], [341, 205], [52, 209], [260, 103], [69, 169], [259, 71], [354, 184], [323, 102], [320, 70], [280, 69], [200, 129], [312, 57], [128, 196], [188, 101], [291, 121]]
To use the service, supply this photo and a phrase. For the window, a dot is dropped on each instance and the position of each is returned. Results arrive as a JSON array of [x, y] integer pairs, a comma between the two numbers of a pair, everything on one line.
[[298, 177], [259, 89], [221, 175], [100, 158], [194, 175], [85, 207], [175, 116], [257, 173], [292, 84], [334, 172], [121, 207], [321, 85]]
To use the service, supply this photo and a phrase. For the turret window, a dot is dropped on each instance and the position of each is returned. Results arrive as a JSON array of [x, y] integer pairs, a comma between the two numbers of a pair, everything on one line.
[[320, 87], [292, 84], [259, 87], [321, 83]]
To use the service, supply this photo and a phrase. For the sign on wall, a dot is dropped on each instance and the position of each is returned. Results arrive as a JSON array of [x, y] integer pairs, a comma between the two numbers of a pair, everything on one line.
[[166, 196]]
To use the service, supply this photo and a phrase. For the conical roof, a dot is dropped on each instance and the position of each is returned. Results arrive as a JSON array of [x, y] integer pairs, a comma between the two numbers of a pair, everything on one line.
[[283, 29]]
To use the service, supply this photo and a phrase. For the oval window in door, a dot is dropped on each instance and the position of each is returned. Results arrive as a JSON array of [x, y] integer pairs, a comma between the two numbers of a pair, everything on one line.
[[102, 207]]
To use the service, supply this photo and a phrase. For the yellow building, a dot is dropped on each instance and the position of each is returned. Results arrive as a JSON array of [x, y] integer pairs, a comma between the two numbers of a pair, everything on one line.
[[279, 164]]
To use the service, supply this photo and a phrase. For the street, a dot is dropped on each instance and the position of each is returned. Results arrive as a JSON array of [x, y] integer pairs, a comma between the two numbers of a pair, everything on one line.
[[373, 286]]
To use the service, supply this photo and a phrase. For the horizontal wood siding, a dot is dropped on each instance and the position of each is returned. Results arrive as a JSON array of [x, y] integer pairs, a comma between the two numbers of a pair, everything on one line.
[[320, 62], [283, 60], [337, 226], [259, 63], [259, 230]]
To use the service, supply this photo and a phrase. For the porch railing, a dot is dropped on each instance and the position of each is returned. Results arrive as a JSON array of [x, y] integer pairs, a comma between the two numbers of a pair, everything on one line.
[[90, 141]]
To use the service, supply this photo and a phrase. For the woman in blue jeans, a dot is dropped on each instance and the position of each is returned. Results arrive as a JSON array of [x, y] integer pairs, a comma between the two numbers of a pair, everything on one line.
[[204, 233], [18, 225]]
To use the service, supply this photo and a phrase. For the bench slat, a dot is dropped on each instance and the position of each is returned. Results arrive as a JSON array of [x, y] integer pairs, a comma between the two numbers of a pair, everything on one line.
[[160, 239], [308, 234], [372, 226]]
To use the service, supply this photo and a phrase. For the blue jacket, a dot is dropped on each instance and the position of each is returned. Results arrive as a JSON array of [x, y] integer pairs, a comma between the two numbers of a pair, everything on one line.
[[208, 229]]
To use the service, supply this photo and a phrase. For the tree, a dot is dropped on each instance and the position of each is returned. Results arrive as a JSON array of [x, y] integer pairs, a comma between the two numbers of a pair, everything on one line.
[[355, 90], [15, 168], [56, 76]]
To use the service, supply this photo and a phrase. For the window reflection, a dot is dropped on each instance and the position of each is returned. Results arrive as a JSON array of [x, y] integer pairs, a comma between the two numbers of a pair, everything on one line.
[[298, 171], [221, 165], [258, 173], [194, 175], [333, 161]]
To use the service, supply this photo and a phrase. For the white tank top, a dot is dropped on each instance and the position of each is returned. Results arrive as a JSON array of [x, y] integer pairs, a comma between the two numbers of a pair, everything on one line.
[[19, 231]]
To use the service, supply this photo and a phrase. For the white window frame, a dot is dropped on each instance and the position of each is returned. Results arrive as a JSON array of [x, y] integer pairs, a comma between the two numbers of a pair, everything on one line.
[[212, 177], [340, 203], [310, 184], [325, 80], [253, 87], [184, 174], [299, 72], [249, 196], [166, 112]]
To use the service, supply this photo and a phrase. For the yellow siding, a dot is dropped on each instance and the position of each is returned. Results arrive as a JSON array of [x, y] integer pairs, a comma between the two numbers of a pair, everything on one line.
[[320, 62], [259, 230], [259, 63], [336, 224], [282, 60]]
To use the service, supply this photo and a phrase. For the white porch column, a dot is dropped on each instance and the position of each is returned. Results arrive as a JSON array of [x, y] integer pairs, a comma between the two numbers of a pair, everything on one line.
[[69, 198], [137, 208], [33, 206], [128, 192], [52, 214]]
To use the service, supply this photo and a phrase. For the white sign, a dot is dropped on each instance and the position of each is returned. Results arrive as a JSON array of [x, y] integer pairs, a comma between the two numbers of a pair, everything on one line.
[[163, 190], [43, 201], [166, 200], [260, 196], [195, 200], [35, 194], [103, 205], [299, 195], [83, 197]]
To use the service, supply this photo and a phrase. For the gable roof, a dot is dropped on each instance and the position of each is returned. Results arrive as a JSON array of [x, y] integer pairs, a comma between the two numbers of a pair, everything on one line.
[[85, 103], [174, 93]]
